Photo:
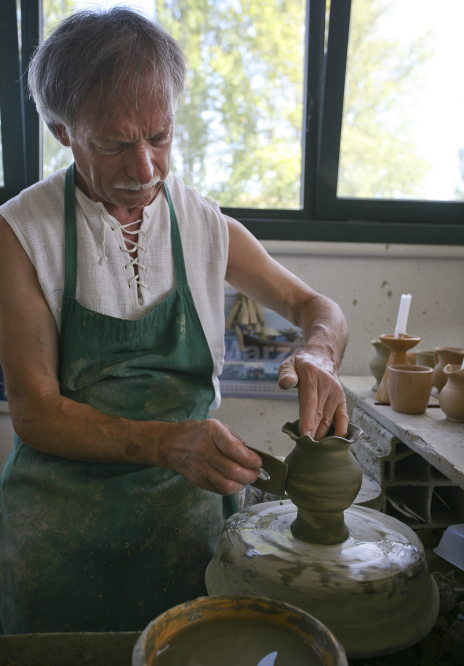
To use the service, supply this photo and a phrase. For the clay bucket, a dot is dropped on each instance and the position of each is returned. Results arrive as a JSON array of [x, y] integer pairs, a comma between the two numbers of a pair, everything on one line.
[[452, 394], [379, 362], [409, 388], [318, 646], [445, 356], [323, 480]]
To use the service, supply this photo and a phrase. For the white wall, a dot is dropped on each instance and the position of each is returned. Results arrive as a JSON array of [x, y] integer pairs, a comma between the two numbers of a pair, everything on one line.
[[366, 280]]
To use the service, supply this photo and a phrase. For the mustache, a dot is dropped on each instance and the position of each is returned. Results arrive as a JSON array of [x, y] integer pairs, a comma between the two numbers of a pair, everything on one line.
[[137, 187]]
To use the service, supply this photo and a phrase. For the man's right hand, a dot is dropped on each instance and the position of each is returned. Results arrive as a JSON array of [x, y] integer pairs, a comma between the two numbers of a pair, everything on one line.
[[209, 454]]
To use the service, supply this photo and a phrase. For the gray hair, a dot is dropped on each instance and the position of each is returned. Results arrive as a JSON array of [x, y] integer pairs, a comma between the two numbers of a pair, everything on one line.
[[106, 53]]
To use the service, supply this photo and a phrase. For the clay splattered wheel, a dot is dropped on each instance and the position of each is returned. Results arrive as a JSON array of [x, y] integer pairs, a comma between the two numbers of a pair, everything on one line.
[[374, 590]]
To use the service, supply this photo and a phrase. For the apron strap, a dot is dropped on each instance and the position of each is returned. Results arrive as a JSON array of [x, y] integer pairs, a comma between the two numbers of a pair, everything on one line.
[[70, 234], [179, 264]]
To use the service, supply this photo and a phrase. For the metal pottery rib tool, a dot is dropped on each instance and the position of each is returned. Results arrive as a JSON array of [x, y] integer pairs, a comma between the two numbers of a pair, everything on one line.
[[272, 475]]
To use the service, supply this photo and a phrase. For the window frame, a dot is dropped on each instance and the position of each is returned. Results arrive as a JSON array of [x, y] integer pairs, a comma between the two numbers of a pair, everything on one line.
[[13, 144], [323, 216]]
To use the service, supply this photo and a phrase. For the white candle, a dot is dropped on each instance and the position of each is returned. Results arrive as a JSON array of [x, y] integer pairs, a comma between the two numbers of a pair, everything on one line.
[[403, 313]]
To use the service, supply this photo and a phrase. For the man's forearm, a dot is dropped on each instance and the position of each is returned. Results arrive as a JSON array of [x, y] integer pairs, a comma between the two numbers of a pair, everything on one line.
[[70, 429], [207, 453], [324, 329]]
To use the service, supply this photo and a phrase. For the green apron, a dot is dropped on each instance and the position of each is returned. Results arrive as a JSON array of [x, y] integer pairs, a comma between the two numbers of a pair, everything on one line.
[[107, 547]]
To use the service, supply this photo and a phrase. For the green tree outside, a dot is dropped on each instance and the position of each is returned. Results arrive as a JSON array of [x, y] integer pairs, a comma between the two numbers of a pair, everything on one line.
[[378, 157], [242, 116], [239, 127]]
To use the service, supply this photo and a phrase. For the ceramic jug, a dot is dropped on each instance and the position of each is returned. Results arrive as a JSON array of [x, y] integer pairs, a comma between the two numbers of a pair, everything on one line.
[[379, 362], [323, 480], [445, 356], [452, 394]]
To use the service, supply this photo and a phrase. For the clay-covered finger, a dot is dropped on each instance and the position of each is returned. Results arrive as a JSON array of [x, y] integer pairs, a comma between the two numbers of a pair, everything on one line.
[[232, 471], [328, 401], [311, 398], [234, 448], [288, 377], [341, 420], [222, 485]]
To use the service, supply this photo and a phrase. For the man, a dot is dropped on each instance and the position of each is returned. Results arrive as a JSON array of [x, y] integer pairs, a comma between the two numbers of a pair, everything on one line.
[[111, 339]]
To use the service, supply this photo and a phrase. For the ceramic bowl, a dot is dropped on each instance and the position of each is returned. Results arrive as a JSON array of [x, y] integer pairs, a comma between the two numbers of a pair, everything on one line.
[[409, 388], [227, 630]]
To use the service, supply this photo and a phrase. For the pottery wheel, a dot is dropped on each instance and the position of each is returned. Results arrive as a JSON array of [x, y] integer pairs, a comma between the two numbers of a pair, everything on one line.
[[373, 590]]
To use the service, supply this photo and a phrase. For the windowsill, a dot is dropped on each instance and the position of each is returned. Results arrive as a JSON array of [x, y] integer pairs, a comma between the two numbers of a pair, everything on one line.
[[387, 251]]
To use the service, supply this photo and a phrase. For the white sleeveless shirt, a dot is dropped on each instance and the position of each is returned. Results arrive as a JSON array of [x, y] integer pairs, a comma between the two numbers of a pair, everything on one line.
[[103, 283]]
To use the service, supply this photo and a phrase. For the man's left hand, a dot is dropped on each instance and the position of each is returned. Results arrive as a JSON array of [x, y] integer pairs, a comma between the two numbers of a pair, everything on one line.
[[320, 394]]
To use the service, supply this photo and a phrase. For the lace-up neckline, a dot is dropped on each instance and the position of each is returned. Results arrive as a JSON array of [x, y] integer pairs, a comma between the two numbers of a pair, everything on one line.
[[136, 246]]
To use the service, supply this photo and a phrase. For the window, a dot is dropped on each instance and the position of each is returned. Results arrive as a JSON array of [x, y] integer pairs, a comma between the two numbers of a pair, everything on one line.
[[239, 128], [302, 126], [403, 107], [391, 142]]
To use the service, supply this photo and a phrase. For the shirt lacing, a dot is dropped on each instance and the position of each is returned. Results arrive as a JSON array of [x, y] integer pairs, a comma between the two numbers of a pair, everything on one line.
[[134, 261]]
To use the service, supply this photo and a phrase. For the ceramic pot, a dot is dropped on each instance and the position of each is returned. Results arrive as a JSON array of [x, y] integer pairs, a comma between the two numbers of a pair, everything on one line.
[[323, 480], [234, 629], [379, 362], [411, 358], [399, 348], [445, 356], [409, 388], [452, 394], [426, 358]]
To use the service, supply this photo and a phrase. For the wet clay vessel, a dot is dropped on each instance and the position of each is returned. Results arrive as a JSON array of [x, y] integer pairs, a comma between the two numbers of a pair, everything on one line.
[[452, 394], [399, 348], [379, 362], [320, 495], [445, 356], [364, 576], [409, 388]]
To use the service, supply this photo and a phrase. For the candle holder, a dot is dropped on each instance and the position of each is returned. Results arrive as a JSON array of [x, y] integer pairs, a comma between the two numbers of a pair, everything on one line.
[[398, 356]]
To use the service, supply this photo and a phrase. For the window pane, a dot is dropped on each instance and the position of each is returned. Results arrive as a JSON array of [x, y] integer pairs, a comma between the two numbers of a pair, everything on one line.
[[402, 131], [239, 128]]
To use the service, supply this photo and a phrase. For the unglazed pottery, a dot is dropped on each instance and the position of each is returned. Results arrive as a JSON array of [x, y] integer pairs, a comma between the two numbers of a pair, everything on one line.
[[398, 356], [320, 495], [379, 362], [238, 630], [373, 589], [409, 388], [425, 357], [445, 356], [411, 358], [452, 394]]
